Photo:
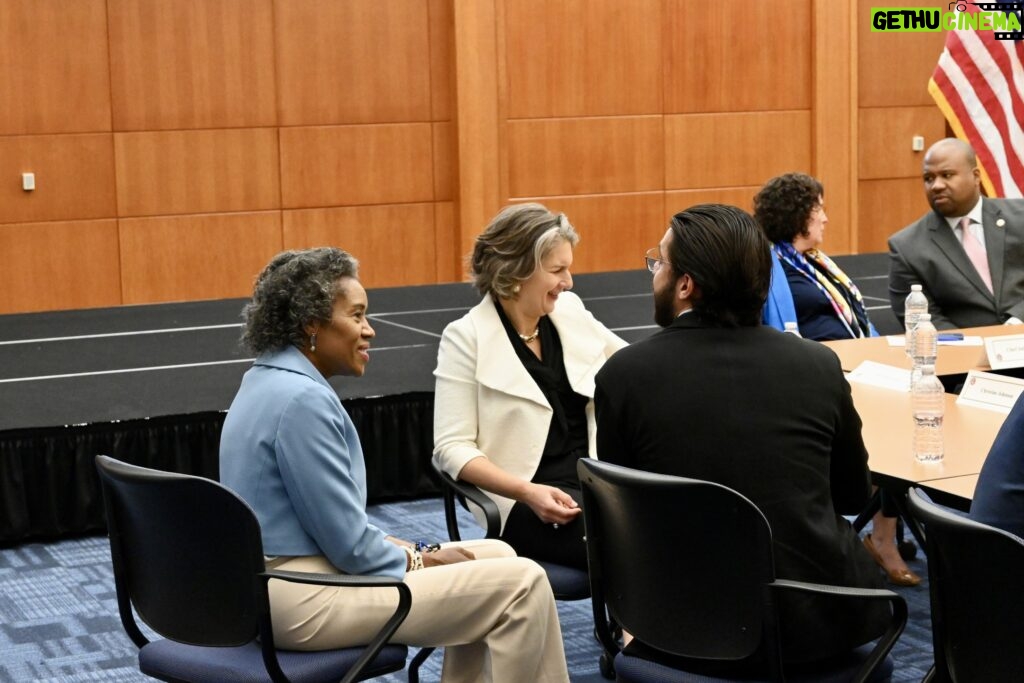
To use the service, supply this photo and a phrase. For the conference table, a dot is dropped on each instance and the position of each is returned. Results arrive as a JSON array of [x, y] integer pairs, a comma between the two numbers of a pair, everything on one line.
[[951, 360], [954, 492], [888, 426]]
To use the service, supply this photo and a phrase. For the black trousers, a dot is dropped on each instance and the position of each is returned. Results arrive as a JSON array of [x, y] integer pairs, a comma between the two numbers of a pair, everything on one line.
[[530, 537]]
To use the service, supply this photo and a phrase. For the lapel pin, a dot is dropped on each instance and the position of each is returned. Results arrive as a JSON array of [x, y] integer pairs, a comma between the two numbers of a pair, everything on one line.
[[1000, 223]]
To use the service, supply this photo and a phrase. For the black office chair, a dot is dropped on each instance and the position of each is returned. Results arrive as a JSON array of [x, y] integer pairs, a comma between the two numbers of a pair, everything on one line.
[[567, 583], [188, 556], [974, 577], [686, 567]]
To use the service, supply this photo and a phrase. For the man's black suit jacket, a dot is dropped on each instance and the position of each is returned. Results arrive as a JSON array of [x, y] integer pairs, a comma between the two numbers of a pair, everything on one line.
[[769, 415]]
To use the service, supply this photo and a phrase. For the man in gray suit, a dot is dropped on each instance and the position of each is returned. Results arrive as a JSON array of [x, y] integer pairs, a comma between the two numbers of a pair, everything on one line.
[[968, 253]]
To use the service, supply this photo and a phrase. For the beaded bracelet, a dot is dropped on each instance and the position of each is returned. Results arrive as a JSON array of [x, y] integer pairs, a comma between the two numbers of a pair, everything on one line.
[[415, 559]]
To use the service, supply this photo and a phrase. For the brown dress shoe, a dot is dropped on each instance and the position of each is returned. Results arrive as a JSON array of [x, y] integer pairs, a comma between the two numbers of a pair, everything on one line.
[[897, 577]]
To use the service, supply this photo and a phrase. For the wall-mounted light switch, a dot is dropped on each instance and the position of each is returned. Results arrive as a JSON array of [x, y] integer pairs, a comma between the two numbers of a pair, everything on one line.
[[28, 181]]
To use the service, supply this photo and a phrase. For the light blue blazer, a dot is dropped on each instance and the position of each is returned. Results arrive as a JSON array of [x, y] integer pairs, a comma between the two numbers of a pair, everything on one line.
[[291, 451]]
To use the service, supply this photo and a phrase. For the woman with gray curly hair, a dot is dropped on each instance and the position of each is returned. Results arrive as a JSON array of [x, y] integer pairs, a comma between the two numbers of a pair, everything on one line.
[[289, 448], [514, 388]]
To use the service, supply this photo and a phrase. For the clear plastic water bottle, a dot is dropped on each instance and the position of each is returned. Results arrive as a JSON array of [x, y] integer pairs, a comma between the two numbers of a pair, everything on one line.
[[926, 341], [916, 304], [792, 328], [926, 346], [929, 406]]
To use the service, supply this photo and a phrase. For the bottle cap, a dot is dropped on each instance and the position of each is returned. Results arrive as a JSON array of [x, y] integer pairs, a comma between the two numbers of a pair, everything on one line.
[[915, 288]]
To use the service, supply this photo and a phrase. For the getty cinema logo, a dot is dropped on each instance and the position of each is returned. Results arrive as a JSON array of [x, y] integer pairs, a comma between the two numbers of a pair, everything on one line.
[[1003, 19]]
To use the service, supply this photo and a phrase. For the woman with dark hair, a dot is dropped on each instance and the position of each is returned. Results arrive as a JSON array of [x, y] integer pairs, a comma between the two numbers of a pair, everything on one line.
[[290, 449], [791, 210], [515, 384]]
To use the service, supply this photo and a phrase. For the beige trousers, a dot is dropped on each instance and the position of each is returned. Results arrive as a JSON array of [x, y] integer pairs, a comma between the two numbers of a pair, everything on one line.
[[495, 616]]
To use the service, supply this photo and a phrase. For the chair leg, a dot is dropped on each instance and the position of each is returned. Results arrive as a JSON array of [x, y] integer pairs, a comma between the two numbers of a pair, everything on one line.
[[414, 665]]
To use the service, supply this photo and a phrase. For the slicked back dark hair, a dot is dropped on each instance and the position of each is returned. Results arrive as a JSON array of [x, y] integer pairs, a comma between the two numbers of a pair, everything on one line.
[[784, 205], [295, 289], [727, 255]]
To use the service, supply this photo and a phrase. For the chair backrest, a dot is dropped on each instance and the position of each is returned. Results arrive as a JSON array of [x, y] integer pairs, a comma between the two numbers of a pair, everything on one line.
[[974, 574], [681, 564], [186, 554]]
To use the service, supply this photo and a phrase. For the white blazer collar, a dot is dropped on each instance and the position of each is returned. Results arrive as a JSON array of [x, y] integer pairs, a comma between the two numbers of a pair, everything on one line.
[[499, 368]]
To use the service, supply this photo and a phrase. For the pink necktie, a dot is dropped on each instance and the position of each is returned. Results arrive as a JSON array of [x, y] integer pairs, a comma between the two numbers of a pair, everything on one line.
[[975, 252]]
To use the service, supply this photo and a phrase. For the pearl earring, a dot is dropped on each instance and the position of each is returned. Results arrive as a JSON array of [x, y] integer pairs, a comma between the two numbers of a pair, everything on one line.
[[516, 288], [312, 343]]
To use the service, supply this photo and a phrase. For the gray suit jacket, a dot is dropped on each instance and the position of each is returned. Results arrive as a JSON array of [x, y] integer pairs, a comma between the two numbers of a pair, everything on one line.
[[928, 253]]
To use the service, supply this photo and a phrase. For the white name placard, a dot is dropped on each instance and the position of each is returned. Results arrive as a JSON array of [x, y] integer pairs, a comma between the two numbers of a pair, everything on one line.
[[880, 375], [990, 391], [1006, 351]]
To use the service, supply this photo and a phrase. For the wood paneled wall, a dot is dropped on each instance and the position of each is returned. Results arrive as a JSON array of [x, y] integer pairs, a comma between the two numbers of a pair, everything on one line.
[[893, 105], [178, 144]]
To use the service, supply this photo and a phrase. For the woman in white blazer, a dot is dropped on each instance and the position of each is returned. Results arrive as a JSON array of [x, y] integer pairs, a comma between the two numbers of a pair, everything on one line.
[[514, 406]]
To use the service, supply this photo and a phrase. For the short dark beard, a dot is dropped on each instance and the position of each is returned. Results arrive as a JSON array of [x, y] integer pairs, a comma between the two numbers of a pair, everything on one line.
[[664, 312]]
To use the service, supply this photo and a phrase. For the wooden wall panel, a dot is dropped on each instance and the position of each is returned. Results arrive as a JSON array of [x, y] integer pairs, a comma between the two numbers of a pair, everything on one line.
[[451, 265], [893, 68], [615, 229], [200, 171], [886, 206], [583, 57], [445, 154], [585, 156], [192, 64], [53, 67], [74, 177], [441, 16], [737, 55], [678, 200], [725, 150], [55, 266], [479, 90], [833, 118], [199, 257], [885, 137], [394, 244], [358, 61], [332, 165]]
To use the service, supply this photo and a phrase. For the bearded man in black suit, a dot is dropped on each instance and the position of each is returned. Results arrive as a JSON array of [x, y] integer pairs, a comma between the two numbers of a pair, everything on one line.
[[717, 396]]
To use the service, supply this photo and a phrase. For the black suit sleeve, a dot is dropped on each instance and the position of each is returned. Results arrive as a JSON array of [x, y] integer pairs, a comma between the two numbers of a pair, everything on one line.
[[608, 409], [850, 476]]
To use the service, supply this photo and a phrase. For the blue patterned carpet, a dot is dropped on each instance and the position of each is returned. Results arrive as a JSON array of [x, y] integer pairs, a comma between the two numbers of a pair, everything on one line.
[[58, 613]]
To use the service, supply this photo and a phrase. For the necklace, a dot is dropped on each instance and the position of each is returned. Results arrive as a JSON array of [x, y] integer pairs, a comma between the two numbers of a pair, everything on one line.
[[527, 338]]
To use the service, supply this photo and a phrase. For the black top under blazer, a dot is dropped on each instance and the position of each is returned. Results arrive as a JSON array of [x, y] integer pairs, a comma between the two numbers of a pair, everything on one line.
[[769, 415]]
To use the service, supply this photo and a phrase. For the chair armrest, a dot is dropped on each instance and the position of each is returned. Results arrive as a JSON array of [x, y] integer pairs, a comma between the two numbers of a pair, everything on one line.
[[350, 580], [466, 491], [345, 580], [887, 640]]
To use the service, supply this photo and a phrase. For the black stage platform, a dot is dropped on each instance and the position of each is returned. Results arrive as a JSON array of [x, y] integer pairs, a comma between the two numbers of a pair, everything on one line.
[[150, 384]]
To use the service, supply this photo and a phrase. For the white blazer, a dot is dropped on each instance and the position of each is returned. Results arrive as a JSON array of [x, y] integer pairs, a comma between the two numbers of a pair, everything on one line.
[[486, 404]]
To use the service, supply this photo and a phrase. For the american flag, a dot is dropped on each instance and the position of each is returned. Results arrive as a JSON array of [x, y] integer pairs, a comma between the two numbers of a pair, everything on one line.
[[979, 86]]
